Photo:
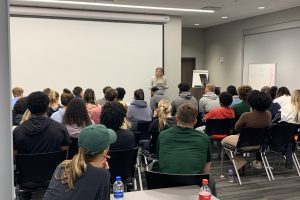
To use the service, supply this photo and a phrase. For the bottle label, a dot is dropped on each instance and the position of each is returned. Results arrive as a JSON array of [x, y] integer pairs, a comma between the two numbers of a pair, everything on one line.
[[118, 194], [204, 196]]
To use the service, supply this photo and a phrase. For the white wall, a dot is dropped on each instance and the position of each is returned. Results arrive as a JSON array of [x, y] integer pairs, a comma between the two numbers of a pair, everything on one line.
[[227, 40], [5, 109], [172, 55], [193, 45]]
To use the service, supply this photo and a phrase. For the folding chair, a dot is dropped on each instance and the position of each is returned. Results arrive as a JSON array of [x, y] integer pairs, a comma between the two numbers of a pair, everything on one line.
[[73, 148], [218, 129], [123, 163], [156, 180], [34, 171], [249, 137], [281, 139]]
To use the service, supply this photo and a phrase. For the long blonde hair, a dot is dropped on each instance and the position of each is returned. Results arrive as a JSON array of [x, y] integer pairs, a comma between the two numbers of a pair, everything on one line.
[[75, 168], [296, 105], [164, 107], [53, 96]]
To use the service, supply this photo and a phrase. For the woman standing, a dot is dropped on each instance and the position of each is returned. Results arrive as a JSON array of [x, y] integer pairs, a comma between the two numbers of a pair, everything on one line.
[[159, 80]]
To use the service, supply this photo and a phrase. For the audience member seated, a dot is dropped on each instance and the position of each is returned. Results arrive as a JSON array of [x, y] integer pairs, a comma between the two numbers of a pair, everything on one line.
[[47, 91], [113, 116], [54, 105], [164, 121], [65, 98], [78, 92], [94, 110], [76, 117], [242, 107], [209, 100], [284, 100], [138, 110], [121, 93], [101, 102], [110, 95], [39, 134], [86, 175], [19, 109], [156, 96], [274, 108], [235, 98], [17, 93], [259, 117], [184, 97]]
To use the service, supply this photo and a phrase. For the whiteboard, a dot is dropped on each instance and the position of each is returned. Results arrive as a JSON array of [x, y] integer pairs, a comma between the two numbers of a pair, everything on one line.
[[59, 53], [261, 75]]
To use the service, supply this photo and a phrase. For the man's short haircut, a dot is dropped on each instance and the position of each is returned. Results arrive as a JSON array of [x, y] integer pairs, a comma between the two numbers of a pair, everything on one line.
[[47, 91], [187, 113], [183, 87], [243, 91], [105, 88], [283, 91], [259, 100], [210, 87], [139, 94], [17, 91], [66, 97], [273, 92], [77, 90], [154, 89], [265, 89], [110, 94], [225, 99], [232, 90], [121, 93], [112, 115], [38, 103]]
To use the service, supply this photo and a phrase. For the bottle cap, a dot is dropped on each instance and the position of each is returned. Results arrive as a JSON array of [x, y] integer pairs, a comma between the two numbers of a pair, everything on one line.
[[204, 182], [118, 178]]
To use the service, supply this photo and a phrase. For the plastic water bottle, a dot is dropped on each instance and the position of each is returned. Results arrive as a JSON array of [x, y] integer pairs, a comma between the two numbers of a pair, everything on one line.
[[230, 175], [118, 189], [205, 193]]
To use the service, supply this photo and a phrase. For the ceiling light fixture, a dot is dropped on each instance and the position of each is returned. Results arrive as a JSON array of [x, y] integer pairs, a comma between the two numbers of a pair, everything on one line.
[[197, 24], [261, 7], [111, 5], [224, 17]]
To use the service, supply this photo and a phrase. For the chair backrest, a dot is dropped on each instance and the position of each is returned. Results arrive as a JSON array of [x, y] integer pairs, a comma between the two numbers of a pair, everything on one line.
[[154, 139], [73, 148], [143, 129], [37, 168], [280, 134], [219, 126], [156, 180], [252, 137], [122, 162]]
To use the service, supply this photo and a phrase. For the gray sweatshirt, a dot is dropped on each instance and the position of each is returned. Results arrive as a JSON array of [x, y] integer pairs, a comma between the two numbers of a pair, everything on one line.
[[158, 95], [208, 102], [183, 97]]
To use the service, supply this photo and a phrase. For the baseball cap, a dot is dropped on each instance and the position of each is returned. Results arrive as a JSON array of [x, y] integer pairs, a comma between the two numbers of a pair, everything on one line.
[[96, 138]]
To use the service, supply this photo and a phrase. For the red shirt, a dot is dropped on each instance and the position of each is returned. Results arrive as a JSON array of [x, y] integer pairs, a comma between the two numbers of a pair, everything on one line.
[[220, 113]]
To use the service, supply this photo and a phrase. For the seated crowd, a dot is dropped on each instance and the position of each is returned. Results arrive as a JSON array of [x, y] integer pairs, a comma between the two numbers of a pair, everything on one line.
[[43, 125]]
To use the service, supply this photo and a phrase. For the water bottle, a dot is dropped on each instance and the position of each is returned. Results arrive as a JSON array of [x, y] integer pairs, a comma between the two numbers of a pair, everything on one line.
[[230, 176], [205, 193], [118, 189]]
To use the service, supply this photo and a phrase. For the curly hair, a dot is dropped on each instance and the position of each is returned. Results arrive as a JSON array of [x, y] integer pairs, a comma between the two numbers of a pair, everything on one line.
[[76, 113], [112, 115], [243, 91], [260, 101]]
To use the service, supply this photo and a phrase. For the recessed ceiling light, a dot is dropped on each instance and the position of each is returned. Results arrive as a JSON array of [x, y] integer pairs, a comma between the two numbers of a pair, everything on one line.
[[224, 17], [112, 5], [261, 7], [197, 24]]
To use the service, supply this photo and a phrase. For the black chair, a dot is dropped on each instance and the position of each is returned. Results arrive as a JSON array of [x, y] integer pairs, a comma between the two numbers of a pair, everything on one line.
[[156, 180], [34, 171], [248, 137], [218, 129], [73, 148], [281, 140], [141, 131], [123, 163]]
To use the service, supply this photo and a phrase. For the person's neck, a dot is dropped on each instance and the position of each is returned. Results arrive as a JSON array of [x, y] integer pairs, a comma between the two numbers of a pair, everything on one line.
[[185, 125]]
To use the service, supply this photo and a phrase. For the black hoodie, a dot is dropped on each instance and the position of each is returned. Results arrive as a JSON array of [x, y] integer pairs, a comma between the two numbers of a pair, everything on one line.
[[40, 134]]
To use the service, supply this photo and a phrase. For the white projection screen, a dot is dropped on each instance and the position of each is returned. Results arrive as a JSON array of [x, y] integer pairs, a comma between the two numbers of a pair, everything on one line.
[[58, 53]]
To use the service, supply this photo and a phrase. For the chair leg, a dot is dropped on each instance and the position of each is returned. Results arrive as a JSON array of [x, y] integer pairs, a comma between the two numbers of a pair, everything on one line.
[[296, 163], [134, 184], [269, 167], [139, 173], [222, 160], [236, 170], [265, 165], [146, 163]]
